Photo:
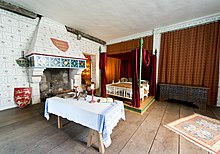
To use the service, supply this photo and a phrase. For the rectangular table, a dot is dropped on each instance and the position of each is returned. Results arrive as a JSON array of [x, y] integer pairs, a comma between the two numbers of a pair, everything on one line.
[[101, 117]]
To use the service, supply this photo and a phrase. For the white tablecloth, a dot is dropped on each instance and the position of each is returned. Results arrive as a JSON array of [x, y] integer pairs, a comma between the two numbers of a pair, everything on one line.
[[102, 116]]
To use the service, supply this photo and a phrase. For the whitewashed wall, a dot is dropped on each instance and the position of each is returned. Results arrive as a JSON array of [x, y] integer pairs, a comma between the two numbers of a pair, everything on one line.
[[16, 32]]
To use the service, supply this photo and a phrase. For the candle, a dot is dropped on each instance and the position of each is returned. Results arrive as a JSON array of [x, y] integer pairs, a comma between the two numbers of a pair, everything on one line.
[[76, 84], [71, 83], [92, 86]]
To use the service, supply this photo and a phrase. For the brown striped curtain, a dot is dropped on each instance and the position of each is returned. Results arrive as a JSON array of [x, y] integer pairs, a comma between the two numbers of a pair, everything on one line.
[[123, 47], [112, 69], [191, 57], [148, 43], [127, 46]]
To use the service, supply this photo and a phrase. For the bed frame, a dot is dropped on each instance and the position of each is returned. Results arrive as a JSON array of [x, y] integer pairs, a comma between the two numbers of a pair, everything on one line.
[[124, 90]]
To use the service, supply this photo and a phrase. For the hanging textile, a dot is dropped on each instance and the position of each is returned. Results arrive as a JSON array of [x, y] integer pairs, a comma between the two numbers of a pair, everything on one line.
[[148, 43], [153, 75], [146, 58], [146, 67], [125, 70], [135, 72], [102, 65], [112, 69], [123, 47]]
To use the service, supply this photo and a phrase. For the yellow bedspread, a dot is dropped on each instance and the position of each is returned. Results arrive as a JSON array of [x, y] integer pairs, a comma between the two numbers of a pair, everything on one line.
[[123, 85]]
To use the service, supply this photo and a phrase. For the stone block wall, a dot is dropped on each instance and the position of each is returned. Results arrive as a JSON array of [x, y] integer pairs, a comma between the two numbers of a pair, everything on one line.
[[16, 33]]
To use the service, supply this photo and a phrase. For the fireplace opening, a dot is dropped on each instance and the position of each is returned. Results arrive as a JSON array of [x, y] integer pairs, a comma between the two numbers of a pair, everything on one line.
[[53, 82], [86, 73]]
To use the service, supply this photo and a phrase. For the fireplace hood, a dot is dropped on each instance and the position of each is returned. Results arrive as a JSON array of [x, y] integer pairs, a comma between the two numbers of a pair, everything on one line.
[[52, 47]]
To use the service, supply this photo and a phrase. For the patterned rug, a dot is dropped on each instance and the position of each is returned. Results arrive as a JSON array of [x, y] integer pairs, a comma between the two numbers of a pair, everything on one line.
[[201, 130]]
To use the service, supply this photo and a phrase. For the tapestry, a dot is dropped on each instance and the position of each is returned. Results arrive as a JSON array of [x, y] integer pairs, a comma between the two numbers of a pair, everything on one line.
[[201, 130]]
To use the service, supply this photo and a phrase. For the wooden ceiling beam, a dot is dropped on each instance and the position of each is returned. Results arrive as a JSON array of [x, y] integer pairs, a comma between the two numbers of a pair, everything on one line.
[[16, 9], [77, 32]]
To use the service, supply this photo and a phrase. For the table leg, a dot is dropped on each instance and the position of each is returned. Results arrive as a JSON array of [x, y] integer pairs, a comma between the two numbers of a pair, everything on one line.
[[89, 139], [59, 121], [101, 145]]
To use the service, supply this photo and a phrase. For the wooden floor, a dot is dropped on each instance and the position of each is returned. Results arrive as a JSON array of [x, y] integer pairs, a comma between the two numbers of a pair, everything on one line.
[[27, 131]]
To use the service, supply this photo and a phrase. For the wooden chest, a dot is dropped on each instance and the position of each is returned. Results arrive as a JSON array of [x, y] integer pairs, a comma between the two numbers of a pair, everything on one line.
[[195, 94]]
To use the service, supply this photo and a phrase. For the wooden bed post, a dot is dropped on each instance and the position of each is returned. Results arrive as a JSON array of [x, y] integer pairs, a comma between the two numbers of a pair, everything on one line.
[[140, 67]]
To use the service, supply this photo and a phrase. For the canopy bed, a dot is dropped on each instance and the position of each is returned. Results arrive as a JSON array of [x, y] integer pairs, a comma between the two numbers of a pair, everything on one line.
[[137, 64]]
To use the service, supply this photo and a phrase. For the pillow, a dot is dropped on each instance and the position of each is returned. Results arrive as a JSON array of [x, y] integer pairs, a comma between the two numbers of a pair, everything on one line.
[[145, 81], [124, 79]]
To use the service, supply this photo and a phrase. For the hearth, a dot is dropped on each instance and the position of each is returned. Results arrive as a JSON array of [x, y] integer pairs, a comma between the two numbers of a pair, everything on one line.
[[54, 81]]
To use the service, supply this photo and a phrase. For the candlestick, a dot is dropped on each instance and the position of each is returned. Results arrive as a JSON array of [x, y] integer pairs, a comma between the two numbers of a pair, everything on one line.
[[71, 84], [92, 87], [92, 101], [76, 92]]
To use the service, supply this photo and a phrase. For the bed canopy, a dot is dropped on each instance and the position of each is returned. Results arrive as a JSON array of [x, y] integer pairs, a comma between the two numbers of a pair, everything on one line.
[[137, 64]]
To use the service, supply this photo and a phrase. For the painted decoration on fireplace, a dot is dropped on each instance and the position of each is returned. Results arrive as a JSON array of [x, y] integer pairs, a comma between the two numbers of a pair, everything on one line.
[[22, 96], [31, 61], [65, 62], [74, 63], [43, 61], [61, 45], [82, 64], [55, 62]]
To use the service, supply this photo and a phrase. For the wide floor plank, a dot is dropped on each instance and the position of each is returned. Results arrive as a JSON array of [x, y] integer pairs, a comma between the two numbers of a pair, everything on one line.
[[166, 139], [142, 140], [216, 111]]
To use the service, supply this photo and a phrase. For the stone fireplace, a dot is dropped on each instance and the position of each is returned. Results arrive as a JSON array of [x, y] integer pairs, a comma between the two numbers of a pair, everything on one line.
[[52, 50], [54, 81]]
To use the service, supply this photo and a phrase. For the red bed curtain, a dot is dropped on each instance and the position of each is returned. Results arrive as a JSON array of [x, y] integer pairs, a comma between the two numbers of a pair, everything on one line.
[[135, 76], [102, 65], [125, 70], [153, 75]]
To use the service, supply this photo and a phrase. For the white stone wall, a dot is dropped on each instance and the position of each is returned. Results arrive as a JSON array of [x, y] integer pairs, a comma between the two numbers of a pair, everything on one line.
[[16, 33]]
